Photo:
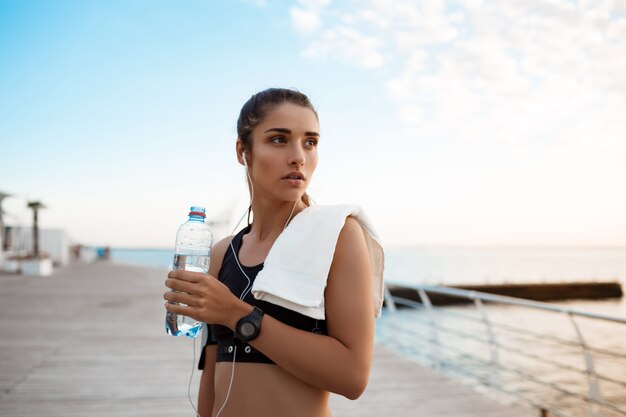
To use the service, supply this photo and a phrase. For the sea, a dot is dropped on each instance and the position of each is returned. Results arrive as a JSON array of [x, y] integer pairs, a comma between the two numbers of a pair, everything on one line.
[[459, 265], [554, 374]]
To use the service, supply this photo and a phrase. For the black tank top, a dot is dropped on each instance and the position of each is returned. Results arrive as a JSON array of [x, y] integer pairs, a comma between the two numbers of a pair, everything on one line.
[[234, 279]]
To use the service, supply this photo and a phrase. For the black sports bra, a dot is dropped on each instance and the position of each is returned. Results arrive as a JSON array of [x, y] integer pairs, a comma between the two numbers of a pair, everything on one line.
[[234, 279]]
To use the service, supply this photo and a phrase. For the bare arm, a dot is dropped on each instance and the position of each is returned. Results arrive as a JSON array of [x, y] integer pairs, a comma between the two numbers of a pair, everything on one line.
[[206, 391], [339, 362]]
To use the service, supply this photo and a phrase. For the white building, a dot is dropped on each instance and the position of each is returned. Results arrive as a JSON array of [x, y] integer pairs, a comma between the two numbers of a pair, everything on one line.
[[53, 242], [17, 239]]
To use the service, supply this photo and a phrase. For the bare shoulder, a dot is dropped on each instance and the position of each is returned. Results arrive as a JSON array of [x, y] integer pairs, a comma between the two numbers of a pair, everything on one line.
[[351, 254], [217, 255], [351, 238], [220, 246]]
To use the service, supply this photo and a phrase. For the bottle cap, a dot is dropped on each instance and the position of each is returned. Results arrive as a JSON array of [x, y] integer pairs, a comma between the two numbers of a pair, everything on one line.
[[197, 211]]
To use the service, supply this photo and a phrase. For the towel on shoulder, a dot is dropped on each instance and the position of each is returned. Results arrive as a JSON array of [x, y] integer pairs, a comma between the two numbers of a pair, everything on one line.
[[296, 269]]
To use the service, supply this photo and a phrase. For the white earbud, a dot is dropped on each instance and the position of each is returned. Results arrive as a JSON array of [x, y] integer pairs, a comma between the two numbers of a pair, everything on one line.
[[245, 162]]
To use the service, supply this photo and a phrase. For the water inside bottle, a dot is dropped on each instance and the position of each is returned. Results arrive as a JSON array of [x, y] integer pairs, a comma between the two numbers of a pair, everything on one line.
[[175, 326], [191, 262], [178, 325]]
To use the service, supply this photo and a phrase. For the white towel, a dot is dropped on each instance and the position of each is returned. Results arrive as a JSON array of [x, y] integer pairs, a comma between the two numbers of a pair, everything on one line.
[[296, 269]]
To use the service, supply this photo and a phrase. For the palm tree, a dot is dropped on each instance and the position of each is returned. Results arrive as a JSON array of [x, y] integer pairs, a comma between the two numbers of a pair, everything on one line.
[[35, 206], [2, 231]]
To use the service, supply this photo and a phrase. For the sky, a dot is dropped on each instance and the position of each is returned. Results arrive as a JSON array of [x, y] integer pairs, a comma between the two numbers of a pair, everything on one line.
[[457, 123]]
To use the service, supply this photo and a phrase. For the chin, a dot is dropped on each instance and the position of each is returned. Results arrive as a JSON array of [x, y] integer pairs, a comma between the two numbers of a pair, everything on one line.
[[293, 197]]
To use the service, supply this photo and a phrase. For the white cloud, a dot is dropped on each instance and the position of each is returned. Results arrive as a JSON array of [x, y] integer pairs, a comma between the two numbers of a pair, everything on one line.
[[307, 17], [412, 114], [347, 44], [488, 55], [539, 82], [373, 18], [616, 30], [305, 21]]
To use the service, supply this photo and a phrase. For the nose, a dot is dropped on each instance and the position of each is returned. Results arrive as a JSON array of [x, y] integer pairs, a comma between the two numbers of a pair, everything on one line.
[[296, 156]]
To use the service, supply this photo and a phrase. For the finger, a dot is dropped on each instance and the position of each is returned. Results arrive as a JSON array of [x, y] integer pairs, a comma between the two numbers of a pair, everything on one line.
[[186, 275], [174, 308], [178, 285], [181, 310], [180, 297]]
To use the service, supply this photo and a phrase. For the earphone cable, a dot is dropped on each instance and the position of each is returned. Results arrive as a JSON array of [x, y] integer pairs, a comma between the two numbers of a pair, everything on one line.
[[246, 290], [193, 366]]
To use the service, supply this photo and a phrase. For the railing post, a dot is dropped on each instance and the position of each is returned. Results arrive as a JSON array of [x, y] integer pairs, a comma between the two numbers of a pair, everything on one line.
[[594, 388], [494, 376], [433, 327], [389, 301]]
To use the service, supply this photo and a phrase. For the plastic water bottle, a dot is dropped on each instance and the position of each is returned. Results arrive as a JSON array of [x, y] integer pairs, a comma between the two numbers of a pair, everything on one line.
[[192, 253]]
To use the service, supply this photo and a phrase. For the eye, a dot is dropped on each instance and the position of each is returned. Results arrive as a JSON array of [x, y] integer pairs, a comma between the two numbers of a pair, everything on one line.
[[311, 142], [278, 139]]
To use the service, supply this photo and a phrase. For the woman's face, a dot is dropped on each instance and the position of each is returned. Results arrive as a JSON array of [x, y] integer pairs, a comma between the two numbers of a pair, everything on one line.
[[284, 152]]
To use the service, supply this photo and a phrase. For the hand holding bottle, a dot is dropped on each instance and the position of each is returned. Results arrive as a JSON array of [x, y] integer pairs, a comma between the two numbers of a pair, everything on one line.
[[205, 298], [192, 253]]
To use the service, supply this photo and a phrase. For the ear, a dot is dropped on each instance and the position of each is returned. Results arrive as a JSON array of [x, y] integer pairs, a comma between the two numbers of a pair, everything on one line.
[[240, 151]]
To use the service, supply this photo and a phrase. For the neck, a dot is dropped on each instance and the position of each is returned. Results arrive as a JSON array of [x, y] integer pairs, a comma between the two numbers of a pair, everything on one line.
[[270, 218]]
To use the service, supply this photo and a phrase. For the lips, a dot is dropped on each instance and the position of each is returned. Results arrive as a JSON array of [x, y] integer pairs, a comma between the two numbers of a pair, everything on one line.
[[294, 179], [294, 176]]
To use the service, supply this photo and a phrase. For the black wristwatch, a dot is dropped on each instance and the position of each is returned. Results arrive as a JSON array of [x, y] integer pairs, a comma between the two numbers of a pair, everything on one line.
[[249, 327]]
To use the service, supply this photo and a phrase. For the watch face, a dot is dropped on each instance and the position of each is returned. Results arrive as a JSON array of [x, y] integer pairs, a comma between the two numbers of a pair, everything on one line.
[[247, 329]]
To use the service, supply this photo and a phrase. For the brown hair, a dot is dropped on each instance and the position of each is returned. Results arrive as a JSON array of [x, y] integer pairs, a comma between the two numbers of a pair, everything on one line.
[[258, 106]]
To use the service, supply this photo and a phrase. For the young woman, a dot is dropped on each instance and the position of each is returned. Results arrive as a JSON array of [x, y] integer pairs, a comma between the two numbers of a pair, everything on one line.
[[289, 362]]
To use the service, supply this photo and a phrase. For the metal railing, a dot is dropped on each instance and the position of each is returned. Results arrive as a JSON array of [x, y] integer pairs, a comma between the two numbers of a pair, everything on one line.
[[540, 369]]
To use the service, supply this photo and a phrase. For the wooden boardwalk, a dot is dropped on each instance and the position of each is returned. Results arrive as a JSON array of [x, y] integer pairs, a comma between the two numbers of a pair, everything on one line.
[[89, 341]]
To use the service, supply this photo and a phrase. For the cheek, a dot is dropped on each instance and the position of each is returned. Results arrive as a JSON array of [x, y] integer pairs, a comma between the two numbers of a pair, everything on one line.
[[267, 164], [264, 165], [313, 162]]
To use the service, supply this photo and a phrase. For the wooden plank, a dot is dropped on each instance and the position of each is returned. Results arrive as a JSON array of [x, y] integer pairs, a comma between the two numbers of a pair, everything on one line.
[[90, 341]]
